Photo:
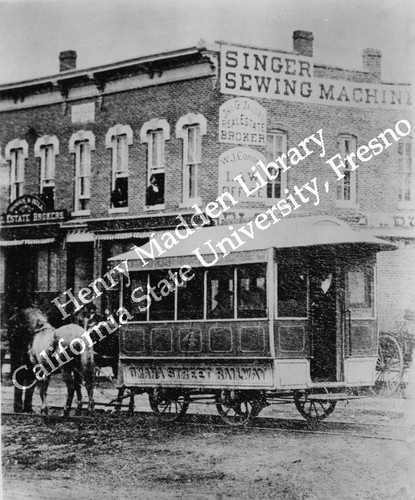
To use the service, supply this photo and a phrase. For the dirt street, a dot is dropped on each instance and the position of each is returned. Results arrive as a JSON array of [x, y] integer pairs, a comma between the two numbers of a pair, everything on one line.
[[141, 458]]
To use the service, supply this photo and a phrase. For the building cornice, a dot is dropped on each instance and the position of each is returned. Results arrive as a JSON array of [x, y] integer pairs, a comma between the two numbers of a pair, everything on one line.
[[100, 81]]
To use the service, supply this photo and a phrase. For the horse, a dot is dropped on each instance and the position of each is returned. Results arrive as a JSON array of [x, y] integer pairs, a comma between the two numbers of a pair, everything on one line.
[[63, 348]]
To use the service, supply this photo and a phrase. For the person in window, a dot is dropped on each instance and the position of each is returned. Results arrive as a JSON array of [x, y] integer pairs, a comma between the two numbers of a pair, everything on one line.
[[253, 303], [119, 197], [155, 192], [224, 306], [47, 196]]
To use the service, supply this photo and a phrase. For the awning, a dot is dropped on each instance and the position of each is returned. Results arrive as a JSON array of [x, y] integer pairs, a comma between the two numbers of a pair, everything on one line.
[[293, 232], [123, 236], [15, 243], [80, 237], [29, 232]]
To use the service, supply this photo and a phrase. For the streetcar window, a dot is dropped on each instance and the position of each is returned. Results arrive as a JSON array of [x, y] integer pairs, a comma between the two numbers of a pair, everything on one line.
[[360, 296], [220, 293], [292, 290], [190, 297], [135, 296], [252, 291], [162, 292]]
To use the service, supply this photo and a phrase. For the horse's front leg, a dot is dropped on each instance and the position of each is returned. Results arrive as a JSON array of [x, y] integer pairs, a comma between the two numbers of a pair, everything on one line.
[[43, 391], [70, 386], [91, 402], [78, 390]]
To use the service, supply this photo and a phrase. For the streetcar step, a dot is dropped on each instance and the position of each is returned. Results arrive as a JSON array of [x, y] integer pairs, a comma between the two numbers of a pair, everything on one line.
[[333, 397]]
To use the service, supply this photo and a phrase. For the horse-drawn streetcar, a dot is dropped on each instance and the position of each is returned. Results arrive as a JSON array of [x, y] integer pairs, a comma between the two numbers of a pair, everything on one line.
[[288, 314]]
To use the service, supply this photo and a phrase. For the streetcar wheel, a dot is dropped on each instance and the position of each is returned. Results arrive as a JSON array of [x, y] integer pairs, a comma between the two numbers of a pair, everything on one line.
[[168, 406], [233, 409], [313, 410], [389, 367]]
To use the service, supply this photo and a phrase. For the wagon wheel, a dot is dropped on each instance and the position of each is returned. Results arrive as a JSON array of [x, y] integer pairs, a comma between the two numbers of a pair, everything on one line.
[[389, 367], [233, 408], [313, 410], [169, 406]]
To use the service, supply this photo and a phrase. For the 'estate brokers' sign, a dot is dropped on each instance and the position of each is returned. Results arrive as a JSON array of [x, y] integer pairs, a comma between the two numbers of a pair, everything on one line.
[[242, 121], [288, 77], [28, 209]]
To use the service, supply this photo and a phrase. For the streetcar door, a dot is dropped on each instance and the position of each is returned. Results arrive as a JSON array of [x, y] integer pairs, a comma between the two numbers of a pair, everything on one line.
[[323, 323]]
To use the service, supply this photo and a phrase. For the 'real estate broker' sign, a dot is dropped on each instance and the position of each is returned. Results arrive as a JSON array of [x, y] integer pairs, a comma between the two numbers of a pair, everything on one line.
[[242, 121], [288, 77], [30, 209]]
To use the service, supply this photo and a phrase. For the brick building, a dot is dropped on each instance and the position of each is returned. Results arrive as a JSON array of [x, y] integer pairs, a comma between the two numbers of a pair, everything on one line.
[[95, 160]]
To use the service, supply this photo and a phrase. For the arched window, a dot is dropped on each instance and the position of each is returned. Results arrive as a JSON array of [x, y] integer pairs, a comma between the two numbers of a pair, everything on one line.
[[155, 133], [406, 174], [81, 144], [276, 146], [119, 138], [191, 128], [46, 148], [346, 187], [16, 153]]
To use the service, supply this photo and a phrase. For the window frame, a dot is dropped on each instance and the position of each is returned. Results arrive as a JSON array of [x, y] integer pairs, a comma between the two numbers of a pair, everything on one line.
[[341, 146], [192, 158], [120, 163], [42, 146], [76, 143], [183, 126], [283, 176], [16, 152], [233, 272], [360, 310], [402, 172], [292, 263], [148, 131]]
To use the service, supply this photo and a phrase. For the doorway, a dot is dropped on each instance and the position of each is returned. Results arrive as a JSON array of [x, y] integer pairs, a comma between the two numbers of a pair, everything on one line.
[[323, 323]]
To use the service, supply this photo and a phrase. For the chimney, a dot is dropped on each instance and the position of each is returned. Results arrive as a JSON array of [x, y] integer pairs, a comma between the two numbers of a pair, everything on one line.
[[372, 61], [67, 60], [303, 43]]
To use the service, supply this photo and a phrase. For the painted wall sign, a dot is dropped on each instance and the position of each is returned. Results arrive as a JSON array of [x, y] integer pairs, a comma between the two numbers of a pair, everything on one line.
[[237, 161], [199, 374], [242, 121], [288, 77], [30, 209], [83, 113], [399, 219]]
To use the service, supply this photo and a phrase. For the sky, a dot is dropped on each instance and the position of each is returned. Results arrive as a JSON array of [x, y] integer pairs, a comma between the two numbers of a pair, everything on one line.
[[32, 32]]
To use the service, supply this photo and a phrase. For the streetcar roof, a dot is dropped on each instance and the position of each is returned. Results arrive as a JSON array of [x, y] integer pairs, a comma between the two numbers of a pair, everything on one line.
[[294, 232]]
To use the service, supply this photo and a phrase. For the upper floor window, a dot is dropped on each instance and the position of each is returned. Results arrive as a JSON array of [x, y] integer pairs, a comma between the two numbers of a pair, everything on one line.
[[276, 146], [46, 148], [346, 187], [406, 174], [81, 144], [155, 133], [118, 138], [191, 128], [16, 152]]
